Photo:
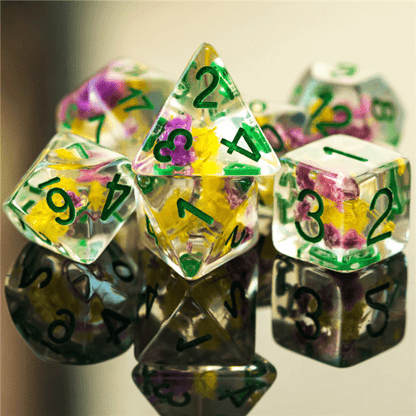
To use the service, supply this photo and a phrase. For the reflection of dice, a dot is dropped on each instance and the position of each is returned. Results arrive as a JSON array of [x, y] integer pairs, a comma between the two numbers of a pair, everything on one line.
[[74, 198], [345, 99], [204, 391], [342, 203], [206, 322], [197, 169], [117, 106], [72, 313], [335, 318]]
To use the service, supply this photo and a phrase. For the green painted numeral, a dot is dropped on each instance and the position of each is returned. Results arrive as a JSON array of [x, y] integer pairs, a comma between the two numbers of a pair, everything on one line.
[[265, 127], [233, 146], [198, 102], [316, 215], [330, 150], [345, 69], [136, 93], [236, 285], [170, 144], [284, 204], [150, 230], [80, 150], [69, 329], [100, 118], [379, 307], [322, 125], [109, 317], [383, 110], [113, 186], [240, 396], [184, 205], [68, 204], [326, 97], [233, 236], [389, 194]]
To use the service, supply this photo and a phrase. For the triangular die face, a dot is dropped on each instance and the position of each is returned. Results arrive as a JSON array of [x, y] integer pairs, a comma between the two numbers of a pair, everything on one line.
[[192, 337], [205, 128]]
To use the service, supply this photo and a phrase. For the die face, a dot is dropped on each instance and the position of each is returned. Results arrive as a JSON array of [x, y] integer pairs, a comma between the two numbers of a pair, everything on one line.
[[70, 313], [74, 198], [205, 128], [342, 203], [198, 390], [335, 318], [117, 106], [345, 99], [195, 224], [204, 322]]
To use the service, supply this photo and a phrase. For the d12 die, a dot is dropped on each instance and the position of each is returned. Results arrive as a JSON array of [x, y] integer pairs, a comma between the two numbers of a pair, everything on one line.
[[195, 224], [345, 99], [74, 198], [283, 126], [209, 144], [197, 323], [204, 391], [342, 203], [71, 313], [117, 106], [336, 318]]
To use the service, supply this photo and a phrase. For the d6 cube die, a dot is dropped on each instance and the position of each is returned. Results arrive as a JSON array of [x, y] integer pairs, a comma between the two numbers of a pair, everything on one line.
[[117, 106], [342, 203], [197, 323], [343, 98], [198, 390], [74, 198], [336, 318], [71, 313]]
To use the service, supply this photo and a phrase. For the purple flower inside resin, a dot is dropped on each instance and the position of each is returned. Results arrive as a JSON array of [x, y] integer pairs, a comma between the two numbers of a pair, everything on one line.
[[302, 209], [352, 239], [302, 177], [99, 95], [332, 236]]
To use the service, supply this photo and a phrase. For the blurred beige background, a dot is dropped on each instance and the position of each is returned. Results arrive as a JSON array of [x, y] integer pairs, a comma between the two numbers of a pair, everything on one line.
[[48, 48]]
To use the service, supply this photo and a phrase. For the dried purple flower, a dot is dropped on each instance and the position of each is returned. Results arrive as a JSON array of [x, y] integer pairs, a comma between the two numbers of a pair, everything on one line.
[[332, 236], [352, 239], [302, 177]]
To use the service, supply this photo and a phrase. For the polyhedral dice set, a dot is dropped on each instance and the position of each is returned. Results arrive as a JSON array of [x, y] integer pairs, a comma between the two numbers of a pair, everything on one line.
[[200, 173]]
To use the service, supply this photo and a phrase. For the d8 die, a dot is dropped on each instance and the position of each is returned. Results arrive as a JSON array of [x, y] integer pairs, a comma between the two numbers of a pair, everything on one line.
[[176, 390], [197, 323], [208, 144], [117, 106], [339, 319], [74, 198], [345, 99], [342, 203], [71, 313]]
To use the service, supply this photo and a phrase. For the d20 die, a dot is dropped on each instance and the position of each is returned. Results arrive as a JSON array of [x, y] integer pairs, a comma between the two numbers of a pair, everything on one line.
[[336, 318], [71, 313], [204, 391], [345, 99], [196, 224], [283, 126], [205, 139], [342, 203], [74, 198], [197, 323], [117, 106]]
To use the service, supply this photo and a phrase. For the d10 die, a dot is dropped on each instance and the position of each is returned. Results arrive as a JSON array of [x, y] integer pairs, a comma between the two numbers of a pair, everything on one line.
[[339, 319], [283, 126], [197, 323], [209, 144], [345, 99], [71, 313], [74, 198], [117, 106], [342, 203], [176, 390]]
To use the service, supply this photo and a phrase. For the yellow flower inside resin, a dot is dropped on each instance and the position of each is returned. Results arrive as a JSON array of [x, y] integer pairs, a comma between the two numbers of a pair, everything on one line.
[[206, 384], [206, 145], [70, 156], [97, 196], [401, 166], [326, 115]]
